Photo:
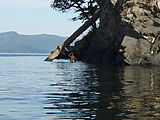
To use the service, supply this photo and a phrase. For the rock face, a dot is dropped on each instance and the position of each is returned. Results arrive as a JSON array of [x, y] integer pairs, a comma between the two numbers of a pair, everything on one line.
[[129, 37], [144, 17]]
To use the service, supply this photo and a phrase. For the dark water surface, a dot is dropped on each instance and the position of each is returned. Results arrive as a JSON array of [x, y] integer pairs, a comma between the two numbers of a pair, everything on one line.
[[31, 89]]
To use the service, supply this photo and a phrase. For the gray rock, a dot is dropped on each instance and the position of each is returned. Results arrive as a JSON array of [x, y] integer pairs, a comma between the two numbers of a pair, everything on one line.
[[131, 36]]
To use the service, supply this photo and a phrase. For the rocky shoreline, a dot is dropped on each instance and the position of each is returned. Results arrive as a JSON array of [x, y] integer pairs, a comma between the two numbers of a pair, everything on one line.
[[133, 37], [128, 36]]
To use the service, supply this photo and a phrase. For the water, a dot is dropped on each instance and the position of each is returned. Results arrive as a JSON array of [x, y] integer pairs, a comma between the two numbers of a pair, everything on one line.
[[31, 89]]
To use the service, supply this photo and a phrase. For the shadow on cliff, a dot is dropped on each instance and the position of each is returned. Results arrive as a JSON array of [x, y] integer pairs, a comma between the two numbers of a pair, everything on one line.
[[99, 51]]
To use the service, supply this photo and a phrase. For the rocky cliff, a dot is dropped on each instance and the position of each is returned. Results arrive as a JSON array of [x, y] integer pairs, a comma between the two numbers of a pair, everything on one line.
[[144, 17], [131, 36]]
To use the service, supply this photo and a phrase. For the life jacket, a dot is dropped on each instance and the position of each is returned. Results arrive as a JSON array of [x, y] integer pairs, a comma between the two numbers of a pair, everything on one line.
[[72, 57]]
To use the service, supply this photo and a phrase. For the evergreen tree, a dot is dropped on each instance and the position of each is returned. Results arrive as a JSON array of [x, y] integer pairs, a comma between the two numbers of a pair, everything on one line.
[[85, 8]]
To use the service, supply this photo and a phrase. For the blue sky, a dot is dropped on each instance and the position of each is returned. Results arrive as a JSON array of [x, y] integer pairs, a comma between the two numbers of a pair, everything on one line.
[[35, 17]]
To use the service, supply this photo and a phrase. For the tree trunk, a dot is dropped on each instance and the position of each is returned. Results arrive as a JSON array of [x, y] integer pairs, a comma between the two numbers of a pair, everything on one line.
[[78, 32], [102, 48]]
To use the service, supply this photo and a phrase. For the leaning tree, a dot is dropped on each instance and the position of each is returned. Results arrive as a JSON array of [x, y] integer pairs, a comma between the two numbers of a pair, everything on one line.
[[134, 21], [109, 20]]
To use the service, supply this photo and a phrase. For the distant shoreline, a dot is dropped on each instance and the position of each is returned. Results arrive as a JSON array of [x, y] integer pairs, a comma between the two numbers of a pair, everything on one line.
[[24, 54]]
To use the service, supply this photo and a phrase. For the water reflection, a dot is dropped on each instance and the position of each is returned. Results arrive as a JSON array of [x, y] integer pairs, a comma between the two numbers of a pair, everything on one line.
[[142, 97], [83, 91]]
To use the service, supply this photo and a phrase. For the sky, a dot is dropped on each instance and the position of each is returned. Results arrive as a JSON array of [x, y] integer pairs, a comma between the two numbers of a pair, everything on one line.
[[35, 17]]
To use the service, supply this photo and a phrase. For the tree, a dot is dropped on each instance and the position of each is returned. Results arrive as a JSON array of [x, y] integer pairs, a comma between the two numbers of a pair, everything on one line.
[[118, 18], [85, 8]]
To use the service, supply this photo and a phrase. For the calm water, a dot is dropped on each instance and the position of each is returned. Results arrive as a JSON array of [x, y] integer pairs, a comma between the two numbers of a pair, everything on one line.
[[31, 89]]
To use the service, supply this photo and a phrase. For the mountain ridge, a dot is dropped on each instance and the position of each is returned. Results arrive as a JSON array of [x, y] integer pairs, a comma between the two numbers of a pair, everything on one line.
[[13, 42]]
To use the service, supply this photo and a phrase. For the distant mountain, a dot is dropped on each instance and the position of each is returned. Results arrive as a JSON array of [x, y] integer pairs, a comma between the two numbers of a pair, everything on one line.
[[12, 42]]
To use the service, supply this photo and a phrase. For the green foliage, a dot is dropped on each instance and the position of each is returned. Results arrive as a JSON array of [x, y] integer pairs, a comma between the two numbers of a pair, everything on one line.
[[85, 8]]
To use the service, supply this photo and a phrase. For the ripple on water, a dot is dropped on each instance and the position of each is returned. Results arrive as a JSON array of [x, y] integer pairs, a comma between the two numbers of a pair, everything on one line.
[[31, 89]]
